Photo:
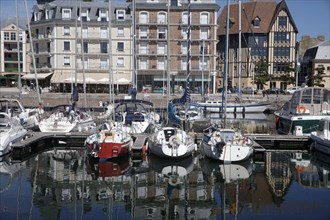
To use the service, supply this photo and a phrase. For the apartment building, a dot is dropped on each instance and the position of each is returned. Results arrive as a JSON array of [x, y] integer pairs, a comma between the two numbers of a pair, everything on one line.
[[161, 43], [268, 33], [11, 57], [71, 42], [316, 57]]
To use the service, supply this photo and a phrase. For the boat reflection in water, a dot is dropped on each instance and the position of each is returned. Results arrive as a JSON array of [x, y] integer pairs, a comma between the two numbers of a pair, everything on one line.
[[66, 185]]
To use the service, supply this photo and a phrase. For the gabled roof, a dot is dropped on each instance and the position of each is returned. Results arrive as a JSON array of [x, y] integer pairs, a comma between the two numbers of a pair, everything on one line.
[[22, 23], [265, 10], [283, 6]]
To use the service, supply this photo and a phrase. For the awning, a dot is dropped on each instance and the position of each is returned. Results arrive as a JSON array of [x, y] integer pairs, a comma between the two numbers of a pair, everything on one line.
[[39, 76], [90, 78]]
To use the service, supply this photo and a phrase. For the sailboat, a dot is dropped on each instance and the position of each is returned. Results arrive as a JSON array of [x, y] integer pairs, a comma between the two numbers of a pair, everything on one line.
[[114, 138], [173, 141], [69, 118], [225, 144]]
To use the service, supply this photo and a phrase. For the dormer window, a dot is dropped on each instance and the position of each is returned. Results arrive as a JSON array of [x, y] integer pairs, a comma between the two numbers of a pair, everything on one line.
[[36, 16], [103, 16], [84, 16], [120, 15], [256, 22], [66, 14]]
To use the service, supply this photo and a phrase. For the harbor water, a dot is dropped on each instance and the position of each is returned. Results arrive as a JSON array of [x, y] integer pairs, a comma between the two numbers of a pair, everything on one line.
[[64, 183]]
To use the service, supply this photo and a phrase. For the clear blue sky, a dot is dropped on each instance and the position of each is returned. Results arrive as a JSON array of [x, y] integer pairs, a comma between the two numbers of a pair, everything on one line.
[[312, 17]]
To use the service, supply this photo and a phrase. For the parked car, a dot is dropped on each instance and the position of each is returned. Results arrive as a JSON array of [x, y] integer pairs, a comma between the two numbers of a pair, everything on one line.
[[291, 90], [249, 90], [273, 91]]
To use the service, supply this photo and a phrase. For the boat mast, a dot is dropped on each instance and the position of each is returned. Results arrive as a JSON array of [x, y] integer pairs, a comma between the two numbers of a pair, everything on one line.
[[134, 80], [239, 47], [187, 92], [18, 55], [83, 56], [111, 86], [32, 51], [168, 89], [224, 91]]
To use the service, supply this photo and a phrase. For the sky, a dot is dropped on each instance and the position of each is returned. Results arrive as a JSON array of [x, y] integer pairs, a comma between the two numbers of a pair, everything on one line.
[[312, 17]]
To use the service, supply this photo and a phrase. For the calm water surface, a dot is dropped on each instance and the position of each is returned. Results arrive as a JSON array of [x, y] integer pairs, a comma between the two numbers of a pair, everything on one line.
[[65, 184]]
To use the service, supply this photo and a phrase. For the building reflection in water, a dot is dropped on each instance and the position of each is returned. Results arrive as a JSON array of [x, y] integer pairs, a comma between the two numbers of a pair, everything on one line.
[[66, 184]]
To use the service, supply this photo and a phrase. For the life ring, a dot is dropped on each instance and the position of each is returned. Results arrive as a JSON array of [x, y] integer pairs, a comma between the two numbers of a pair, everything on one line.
[[301, 109]]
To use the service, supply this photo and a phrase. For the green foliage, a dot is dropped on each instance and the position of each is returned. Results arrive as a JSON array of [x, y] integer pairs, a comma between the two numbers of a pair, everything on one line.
[[287, 77], [261, 75], [317, 79]]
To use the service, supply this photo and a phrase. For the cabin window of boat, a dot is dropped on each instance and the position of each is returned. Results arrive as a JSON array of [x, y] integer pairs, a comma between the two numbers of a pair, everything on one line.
[[295, 99], [306, 96], [317, 96], [227, 135], [321, 126]]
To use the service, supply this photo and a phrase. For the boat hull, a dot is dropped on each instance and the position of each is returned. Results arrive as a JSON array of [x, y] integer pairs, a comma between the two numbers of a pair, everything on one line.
[[231, 153], [110, 150]]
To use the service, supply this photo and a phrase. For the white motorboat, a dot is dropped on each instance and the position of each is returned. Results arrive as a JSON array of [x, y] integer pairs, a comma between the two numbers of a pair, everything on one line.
[[304, 110], [321, 137], [29, 118], [65, 120], [11, 132], [110, 142], [225, 145], [171, 142]]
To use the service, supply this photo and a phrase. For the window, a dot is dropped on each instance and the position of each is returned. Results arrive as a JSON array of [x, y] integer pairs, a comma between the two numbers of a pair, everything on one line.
[[48, 47], [143, 48], [103, 16], [12, 36], [120, 62], [184, 32], [6, 35], [120, 46], [143, 32], [183, 47], [185, 17], [66, 14], [120, 32], [184, 63], [256, 22], [84, 16], [143, 63], [161, 64], [85, 45], [103, 63], [104, 47], [204, 33], [66, 30], [143, 17], [120, 15], [85, 63], [104, 32], [162, 33], [37, 48], [282, 20], [161, 18], [161, 48], [85, 32], [204, 19], [66, 61], [66, 45], [282, 36], [204, 65]]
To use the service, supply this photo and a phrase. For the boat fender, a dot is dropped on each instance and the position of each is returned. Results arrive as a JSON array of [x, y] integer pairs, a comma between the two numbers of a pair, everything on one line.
[[301, 109]]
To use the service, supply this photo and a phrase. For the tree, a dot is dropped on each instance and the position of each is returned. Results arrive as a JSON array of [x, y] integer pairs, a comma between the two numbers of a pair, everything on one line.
[[287, 77], [317, 79], [261, 75]]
